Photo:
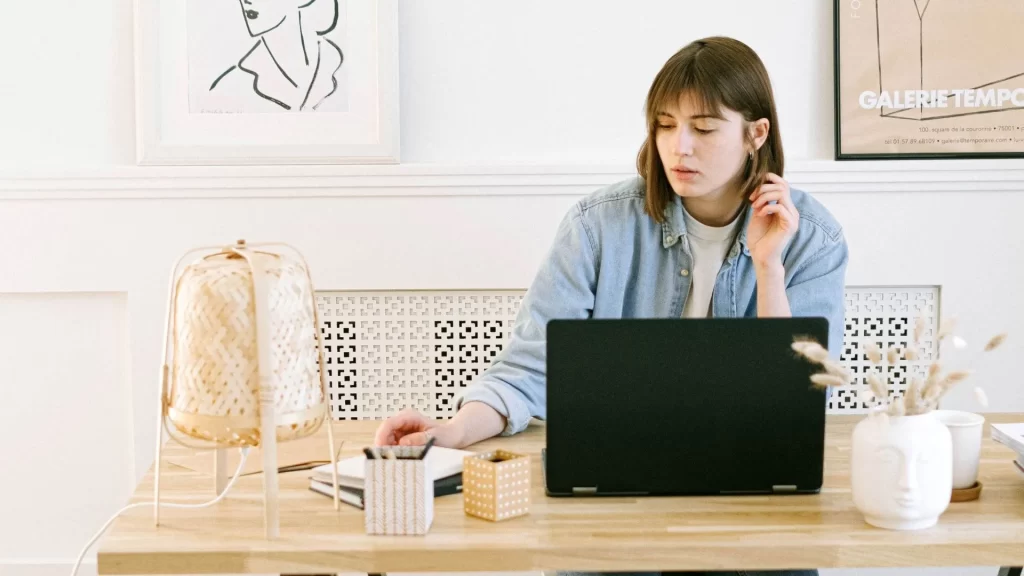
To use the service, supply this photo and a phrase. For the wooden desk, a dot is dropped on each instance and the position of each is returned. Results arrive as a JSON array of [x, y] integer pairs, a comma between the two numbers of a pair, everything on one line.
[[602, 534]]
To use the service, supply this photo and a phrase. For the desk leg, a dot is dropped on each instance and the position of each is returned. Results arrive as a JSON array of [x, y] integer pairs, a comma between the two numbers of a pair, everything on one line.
[[1010, 571]]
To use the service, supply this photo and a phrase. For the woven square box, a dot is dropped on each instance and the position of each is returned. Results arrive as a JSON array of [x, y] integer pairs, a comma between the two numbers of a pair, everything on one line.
[[496, 485], [398, 497]]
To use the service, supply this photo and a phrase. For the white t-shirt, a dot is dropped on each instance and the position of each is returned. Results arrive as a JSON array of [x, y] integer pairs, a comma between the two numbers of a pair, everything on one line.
[[709, 246]]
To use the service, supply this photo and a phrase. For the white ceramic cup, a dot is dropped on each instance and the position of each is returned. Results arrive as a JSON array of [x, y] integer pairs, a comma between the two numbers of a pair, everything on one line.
[[966, 429]]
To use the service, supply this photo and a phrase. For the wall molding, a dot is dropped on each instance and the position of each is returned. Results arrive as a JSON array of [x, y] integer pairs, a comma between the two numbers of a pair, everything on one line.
[[405, 180]]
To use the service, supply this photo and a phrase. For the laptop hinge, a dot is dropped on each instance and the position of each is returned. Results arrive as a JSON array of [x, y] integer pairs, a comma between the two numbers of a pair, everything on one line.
[[584, 491], [783, 488]]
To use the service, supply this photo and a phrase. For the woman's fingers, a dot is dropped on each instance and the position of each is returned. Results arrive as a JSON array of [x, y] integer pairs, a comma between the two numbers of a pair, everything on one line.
[[408, 421], [766, 188], [762, 189], [444, 435], [779, 210], [415, 439], [765, 198], [775, 190]]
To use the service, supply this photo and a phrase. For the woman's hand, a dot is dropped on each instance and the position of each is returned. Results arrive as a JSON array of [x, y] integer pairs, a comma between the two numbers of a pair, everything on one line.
[[410, 428], [474, 422], [771, 226]]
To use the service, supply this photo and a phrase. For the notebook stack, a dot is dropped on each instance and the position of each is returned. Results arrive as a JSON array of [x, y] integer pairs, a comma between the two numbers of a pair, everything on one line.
[[445, 466], [1012, 436]]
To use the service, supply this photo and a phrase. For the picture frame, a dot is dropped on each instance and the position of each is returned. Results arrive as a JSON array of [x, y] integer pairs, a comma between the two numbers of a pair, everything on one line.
[[928, 79], [245, 82]]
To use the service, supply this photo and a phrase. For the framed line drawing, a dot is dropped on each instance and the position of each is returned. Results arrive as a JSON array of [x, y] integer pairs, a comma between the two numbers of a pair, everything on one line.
[[918, 79], [241, 82]]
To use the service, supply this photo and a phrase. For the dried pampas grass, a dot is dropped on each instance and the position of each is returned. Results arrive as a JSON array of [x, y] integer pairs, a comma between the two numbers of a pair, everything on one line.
[[922, 395], [995, 342], [893, 355], [919, 328], [835, 375], [874, 353], [947, 328], [954, 378], [932, 394], [828, 380], [867, 396], [982, 398], [878, 388], [899, 407], [837, 369], [913, 394], [812, 351]]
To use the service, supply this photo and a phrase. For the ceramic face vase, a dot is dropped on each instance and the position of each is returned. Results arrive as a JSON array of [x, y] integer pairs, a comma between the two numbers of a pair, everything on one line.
[[902, 471]]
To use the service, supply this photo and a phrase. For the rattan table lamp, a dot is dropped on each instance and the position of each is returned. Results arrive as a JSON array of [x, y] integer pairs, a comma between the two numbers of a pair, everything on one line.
[[243, 359]]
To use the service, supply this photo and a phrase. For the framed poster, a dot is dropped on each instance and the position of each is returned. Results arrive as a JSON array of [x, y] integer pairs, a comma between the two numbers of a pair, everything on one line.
[[929, 79], [266, 82]]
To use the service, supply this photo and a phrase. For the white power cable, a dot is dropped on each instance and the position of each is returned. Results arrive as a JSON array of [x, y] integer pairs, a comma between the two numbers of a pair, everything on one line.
[[238, 472]]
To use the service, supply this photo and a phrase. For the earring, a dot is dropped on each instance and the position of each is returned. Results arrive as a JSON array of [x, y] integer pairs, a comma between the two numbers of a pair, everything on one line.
[[751, 155]]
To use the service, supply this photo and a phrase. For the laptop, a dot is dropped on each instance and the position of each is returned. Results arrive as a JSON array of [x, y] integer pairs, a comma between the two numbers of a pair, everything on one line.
[[682, 407]]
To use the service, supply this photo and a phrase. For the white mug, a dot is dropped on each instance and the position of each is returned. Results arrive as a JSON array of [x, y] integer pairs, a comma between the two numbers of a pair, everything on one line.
[[966, 429]]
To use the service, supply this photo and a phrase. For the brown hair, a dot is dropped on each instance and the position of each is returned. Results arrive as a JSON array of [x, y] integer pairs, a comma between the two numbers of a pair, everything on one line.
[[718, 72]]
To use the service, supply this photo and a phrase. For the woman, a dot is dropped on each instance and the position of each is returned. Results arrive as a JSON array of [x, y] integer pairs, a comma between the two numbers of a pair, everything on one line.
[[710, 228]]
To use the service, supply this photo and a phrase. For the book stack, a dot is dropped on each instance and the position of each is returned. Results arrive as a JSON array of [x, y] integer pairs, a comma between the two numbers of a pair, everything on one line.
[[1012, 436], [445, 465]]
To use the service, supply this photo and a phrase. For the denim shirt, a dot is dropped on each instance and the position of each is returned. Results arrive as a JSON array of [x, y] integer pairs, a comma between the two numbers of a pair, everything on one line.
[[610, 259]]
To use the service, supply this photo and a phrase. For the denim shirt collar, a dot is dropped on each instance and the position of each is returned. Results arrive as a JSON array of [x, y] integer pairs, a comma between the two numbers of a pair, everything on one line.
[[674, 226]]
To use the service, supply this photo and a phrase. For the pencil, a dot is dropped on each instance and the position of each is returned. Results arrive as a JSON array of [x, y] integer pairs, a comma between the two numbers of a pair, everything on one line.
[[426, 448]]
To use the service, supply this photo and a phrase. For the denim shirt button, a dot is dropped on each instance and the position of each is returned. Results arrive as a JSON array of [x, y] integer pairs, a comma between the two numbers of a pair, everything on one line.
[[684, 272]]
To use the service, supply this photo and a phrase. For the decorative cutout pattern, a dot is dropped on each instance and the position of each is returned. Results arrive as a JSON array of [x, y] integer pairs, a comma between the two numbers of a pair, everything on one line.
[[886, 317], [386, 351]]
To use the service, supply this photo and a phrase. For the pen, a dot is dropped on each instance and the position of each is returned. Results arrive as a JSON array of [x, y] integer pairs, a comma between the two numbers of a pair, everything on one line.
[[426, 448]]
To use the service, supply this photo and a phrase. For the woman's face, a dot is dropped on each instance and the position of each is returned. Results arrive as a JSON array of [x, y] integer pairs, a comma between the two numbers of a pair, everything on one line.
[[262, 16], [703, 152]]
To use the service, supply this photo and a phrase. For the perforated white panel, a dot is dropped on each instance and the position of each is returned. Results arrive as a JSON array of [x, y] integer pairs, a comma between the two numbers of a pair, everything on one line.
[[886, 316], [386, 351]]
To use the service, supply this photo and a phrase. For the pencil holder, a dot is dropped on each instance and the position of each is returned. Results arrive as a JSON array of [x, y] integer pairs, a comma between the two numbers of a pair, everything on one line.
[[496, 485], [398, 495]]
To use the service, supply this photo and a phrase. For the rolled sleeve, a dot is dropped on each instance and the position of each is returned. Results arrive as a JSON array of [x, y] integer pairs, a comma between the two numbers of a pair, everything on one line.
[[504, 398], [515, 384]]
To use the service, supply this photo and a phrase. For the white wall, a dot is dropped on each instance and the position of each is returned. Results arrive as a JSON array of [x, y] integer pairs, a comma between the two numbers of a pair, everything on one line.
[[481, 82], [556, 89]]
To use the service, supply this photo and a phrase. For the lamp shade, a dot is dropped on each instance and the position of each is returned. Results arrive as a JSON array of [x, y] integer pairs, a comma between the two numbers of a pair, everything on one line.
[[243, 358], [213, 392]]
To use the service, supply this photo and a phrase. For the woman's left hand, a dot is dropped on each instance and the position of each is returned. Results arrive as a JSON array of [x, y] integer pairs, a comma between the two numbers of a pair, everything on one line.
[[771, 226]]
